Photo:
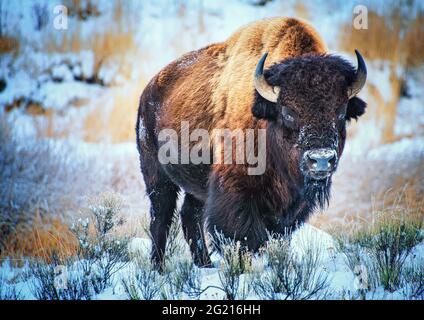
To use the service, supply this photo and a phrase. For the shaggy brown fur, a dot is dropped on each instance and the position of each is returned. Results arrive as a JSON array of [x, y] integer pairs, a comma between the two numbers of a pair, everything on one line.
[[214, 88]]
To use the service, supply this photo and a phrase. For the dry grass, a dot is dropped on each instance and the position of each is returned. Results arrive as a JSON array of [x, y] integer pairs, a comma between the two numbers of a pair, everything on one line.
[[41, 239], [390, 36], [113, 117], [119, 10], [395, 34], [47, 238], [404, 205], [400, 203], [112, 44], [363, 187], [8, 45], [114, 50], [117, 124], [414, 42]]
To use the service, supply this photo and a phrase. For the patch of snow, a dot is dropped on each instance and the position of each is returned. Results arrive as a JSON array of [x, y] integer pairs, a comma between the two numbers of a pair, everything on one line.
[[65, 94], [308, 235], [140, 246], [62, 73]]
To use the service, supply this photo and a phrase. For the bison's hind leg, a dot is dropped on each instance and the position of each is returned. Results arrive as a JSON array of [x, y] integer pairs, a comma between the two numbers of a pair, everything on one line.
[[163, 196], [191, 218]]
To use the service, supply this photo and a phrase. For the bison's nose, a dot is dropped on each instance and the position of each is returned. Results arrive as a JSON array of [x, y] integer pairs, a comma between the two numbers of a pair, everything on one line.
[[320, 162]]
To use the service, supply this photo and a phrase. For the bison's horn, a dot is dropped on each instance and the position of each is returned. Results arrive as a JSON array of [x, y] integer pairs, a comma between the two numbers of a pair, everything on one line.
[[360, 77], [268, 92]]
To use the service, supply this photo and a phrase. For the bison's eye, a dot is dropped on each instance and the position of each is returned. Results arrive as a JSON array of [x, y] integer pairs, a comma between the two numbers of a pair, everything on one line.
[[289, 118]]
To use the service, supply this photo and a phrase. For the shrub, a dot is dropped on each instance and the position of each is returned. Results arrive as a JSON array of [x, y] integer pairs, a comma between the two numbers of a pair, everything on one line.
[[176, 248], [74, 285], [186, 279], [8, 292], [389, 247], [180, 275], [359, 262], [144, 282], [235, 262], [100, 254], [413, 281], [83, 10], [289, 276], [383, 248]]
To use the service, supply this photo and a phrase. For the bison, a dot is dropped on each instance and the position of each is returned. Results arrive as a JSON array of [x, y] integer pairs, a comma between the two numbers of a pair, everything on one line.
[[273, 75]]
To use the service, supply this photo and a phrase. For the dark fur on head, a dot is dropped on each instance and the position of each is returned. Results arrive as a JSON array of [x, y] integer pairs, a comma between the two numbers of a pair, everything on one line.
[[314, 86], [310, 81], [355, 108]]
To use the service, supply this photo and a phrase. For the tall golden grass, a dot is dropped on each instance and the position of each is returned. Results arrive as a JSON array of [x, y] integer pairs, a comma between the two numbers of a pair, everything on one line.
[[404, 200], [118, 123], [394, 37], [41, 239], [398, 205]]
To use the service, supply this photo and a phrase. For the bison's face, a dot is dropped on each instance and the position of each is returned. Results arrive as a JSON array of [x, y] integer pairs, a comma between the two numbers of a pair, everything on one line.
[[307, 101]]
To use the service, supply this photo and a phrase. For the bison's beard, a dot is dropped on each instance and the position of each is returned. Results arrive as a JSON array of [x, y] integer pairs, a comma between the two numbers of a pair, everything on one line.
[[317, 193]]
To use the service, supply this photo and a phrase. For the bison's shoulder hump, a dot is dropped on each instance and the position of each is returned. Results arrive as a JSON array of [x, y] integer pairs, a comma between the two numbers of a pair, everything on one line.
[[183, 65], [281, 37]]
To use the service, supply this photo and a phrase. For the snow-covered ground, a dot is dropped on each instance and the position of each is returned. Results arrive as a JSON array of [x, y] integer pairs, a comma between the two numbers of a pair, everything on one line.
[[342, 282]]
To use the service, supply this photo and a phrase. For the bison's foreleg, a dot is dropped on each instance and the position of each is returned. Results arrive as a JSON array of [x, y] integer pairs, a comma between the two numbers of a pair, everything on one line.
[[235, 217]]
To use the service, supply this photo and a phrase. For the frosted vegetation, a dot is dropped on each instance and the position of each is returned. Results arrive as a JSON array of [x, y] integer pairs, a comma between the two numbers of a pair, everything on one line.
[[68, 102], [381, 262]]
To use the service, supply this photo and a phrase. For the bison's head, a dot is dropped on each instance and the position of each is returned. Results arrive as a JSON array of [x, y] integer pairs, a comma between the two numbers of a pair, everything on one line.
[[307, 101]]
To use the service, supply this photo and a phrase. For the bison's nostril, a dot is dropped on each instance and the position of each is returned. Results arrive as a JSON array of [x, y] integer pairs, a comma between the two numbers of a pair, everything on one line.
[[311, 162]]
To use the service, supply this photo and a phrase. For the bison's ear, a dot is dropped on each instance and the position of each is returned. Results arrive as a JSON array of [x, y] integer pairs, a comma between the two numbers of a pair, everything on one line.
[[264, 109], [355, 108]]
